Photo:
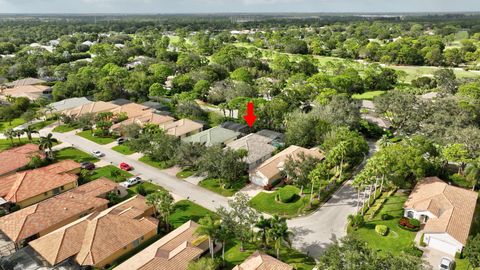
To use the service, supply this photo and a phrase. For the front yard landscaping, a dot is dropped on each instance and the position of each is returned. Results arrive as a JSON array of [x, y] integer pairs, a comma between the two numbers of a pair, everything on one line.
[[40, 125], [285, 202], [368, 95], [63, 128], [397, 239], [157, 164], [74, 154], [185, 173], [87, 134], [215, 186], [6, 144], [234, 256], [111, 172], [123, 149], [186, 210], [4, 125]]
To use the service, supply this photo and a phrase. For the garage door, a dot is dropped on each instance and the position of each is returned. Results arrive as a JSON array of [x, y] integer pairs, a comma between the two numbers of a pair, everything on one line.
[[442, 246]]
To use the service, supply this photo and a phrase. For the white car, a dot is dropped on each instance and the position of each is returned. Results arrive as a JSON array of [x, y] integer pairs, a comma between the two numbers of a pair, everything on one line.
[[98, 153], [131, 181], [446, 264]]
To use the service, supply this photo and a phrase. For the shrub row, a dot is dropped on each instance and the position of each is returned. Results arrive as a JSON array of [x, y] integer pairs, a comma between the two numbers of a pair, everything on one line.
[[409, 224]]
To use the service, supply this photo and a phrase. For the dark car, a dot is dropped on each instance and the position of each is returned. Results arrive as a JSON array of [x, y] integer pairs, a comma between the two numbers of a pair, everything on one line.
[[87, 165], [121, 140]]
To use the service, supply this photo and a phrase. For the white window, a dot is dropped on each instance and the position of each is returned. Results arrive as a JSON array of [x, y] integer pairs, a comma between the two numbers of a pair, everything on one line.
[[410, 214]]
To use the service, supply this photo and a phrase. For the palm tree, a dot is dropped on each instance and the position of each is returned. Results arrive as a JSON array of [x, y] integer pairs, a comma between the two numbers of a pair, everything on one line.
[[224, 234], [29, 131], [162, 201], [47, 143], [279, 233], [472, 173], [339, 153], [18, 134], [209, 227], [264, 225], [10, 134]]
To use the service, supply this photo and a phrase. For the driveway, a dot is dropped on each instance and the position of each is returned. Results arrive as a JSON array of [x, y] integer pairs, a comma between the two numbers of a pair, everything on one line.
[[433, 256], [201, 196], [313, 233]]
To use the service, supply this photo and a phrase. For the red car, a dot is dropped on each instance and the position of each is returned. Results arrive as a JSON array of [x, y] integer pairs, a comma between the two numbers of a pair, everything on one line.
[[124, 166]]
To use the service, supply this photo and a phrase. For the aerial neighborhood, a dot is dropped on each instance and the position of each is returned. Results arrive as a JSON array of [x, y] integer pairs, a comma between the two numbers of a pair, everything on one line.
[[245, 142]]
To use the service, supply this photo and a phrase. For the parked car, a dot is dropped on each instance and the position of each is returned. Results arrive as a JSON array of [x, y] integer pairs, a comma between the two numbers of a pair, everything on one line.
[[131, 182], [98, 153], [124, 166], [87, 165], [121, 140], [446, 264]]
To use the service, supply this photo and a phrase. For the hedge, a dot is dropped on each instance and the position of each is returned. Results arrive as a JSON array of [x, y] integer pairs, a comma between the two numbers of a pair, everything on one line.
[[288, 194], [381, 229]]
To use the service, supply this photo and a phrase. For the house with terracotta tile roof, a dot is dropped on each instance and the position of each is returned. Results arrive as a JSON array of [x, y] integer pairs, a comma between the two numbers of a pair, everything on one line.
[[149, 118], [100, 238], [132, 110], [25, 81], [262, 261], [271, 169], [32, 186], [18, 157], [173, 251], [446, 212], [213, 136], [32, 92], [93, 107], [182, 128], [37, 220]]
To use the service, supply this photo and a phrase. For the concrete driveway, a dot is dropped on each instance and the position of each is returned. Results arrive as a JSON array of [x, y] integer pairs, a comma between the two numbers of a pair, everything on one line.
[[433, 256], [313, 233]]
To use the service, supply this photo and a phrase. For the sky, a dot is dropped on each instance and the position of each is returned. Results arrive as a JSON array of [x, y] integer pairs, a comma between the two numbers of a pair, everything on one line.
[[234, 6]]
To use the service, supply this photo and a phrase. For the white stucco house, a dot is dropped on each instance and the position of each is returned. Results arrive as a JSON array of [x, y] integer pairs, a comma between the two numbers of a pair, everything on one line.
[[445, 211]]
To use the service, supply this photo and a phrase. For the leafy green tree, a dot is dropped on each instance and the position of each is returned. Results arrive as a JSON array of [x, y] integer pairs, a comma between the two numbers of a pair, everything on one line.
[[472, 173], [472, 251], [209, 227], [29, 131], [225, 164], [46, 142], [263, 225], [456, 153], [188, 154], [279, 233], [10, 134], [203, 263], [298, 168]]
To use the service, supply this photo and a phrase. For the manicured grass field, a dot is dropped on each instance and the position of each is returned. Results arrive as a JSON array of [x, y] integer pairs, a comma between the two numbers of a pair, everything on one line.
[[40, 125], [74, 154], [149, 187], [266, 202], [15, 122], [397, 240], [368, 95], [185, 173], [87, 134], [157, 164], [186, 210], [123, 149], [106, 172], [7, 143], [63, 128], [298, 260], [214, 185]]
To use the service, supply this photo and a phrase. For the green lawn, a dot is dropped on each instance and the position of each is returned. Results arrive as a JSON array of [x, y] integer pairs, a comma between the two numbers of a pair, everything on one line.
[[74, 154], [298, 260], [368, 95], [186, 210], [185, 173], [266, 202], [397, 239], [63, 128], [40, 125], [106, 172], [123, 149], [149, 187], [6, 144], [214, 185], [157, 164], [87, 134], [15, 122]]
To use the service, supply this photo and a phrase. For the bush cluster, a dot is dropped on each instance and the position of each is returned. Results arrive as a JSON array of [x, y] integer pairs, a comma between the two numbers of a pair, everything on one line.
[[381, 229], [288, 194], [410, 224]]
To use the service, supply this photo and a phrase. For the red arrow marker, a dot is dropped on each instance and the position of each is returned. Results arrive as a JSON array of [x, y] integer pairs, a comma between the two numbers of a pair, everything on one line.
[[250, 117]]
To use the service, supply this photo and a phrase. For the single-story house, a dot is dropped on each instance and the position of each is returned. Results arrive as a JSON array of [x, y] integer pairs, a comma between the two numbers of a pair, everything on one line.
[[68, 104], [32, 186], [271, 169], [262, 261], [258, 147], [25, 81], [37, 220], [132, 110], [173, 251], [182, 128], [242, 128], [100, 238], [32, 92], [93, 107], [446, 212], [213, 136], [18, 157], [149, 118], [278, 139]]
